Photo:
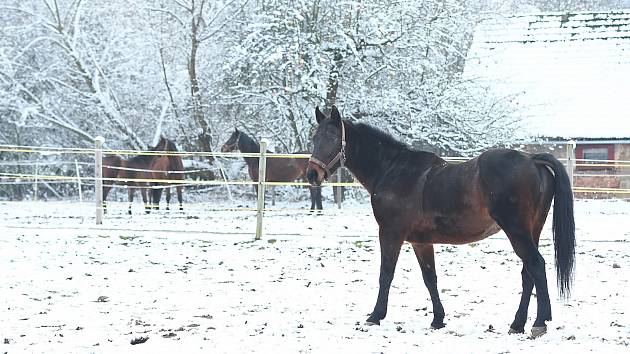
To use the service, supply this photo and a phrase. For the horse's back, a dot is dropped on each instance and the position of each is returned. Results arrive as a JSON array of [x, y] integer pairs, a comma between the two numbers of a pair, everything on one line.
[[286, 169]]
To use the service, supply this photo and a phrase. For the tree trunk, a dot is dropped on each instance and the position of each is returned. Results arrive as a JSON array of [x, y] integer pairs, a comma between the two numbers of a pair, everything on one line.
[[331, 100], [204, 137]]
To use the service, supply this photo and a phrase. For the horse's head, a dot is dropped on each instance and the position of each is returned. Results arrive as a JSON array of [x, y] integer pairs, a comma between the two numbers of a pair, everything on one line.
[[232, 143], [161, 145], [329, 147]]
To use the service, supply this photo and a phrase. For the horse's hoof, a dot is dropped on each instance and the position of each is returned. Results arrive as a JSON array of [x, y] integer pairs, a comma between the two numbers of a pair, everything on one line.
[[437, 325], [538, 331], [516, 331], [372, 323]]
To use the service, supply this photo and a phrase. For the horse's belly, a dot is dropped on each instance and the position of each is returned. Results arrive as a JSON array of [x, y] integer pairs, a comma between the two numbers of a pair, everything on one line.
[[455, 230]]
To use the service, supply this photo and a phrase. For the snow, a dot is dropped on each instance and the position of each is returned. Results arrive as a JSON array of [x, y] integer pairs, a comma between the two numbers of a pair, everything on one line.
[[571, 72], [197, 282]]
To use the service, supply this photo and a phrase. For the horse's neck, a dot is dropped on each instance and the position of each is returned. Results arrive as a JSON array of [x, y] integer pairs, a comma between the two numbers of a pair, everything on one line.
[[368, 160], [249, 146]]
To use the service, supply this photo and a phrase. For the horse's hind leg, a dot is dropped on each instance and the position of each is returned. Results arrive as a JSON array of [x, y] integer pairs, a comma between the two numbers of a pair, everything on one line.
[[526, 249], [168, 198], [426, 260], [106, 190], [390, 244], [518, 326]]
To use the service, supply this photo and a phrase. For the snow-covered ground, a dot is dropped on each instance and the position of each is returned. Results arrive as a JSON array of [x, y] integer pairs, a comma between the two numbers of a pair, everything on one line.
[[197, 282]]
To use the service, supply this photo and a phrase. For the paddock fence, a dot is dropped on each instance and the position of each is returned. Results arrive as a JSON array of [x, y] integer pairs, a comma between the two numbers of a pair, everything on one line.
[[81, 169]]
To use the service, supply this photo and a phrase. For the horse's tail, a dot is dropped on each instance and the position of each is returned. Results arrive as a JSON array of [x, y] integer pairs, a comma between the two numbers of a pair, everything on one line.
[[563, 223]]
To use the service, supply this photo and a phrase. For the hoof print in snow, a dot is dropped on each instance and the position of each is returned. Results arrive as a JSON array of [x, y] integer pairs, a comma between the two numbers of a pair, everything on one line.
[[490, 329], [300, 326], [169, 335], [571, 337], [7, 341], [139, 340], [102, 299], [616, 266]]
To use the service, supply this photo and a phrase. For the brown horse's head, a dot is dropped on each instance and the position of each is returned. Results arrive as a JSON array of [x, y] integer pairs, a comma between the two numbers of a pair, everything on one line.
[[161, 145], [328, 147], [232, 143]]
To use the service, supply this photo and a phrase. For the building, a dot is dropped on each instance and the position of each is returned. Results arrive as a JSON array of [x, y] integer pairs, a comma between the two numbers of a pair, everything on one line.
[[570, 74]]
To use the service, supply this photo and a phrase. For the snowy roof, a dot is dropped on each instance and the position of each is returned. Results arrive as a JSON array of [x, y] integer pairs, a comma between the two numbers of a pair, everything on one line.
[[570, 71]]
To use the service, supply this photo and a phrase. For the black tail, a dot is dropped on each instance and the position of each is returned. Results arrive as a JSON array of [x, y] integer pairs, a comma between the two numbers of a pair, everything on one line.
[[563, 223]]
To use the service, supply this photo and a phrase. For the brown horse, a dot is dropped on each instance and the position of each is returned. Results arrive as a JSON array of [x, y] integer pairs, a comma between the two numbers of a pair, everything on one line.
[[137, 168], [168, 167], [278, 169], [111, 167], [420, 198], [145, 167]]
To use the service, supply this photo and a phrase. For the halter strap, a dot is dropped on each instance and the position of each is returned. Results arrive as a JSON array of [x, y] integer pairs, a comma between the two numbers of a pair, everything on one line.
[[341, 155]]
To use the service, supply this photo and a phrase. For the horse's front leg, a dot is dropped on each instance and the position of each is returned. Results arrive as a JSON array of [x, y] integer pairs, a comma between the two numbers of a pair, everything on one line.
[[390, 243], [426, 260], [130, 191], [168, 198], [147, 203]]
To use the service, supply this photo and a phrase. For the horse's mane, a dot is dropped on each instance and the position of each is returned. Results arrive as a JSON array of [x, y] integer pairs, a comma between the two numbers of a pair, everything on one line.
[[248, 142], [377, 134]]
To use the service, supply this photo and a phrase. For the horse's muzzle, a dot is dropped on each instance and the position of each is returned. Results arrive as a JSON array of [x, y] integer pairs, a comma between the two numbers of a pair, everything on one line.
[[314, 175]]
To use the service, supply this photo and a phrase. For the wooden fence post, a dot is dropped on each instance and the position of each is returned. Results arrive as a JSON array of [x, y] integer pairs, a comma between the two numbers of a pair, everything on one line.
[[262, 175], [98, 178], [571, 160]]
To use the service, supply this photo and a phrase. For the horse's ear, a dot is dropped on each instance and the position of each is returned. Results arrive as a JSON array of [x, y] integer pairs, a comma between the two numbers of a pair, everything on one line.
[[334, 114], [319, 116]]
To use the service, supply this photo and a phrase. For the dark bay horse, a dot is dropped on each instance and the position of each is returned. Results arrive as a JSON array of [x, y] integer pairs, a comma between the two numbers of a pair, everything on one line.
[[420, 198], [278, 169]]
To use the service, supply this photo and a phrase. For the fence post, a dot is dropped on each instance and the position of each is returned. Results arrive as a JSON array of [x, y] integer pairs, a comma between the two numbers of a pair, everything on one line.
[[36, 184], [76, 166], [262, 166], [571, 160], [98, 178]]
